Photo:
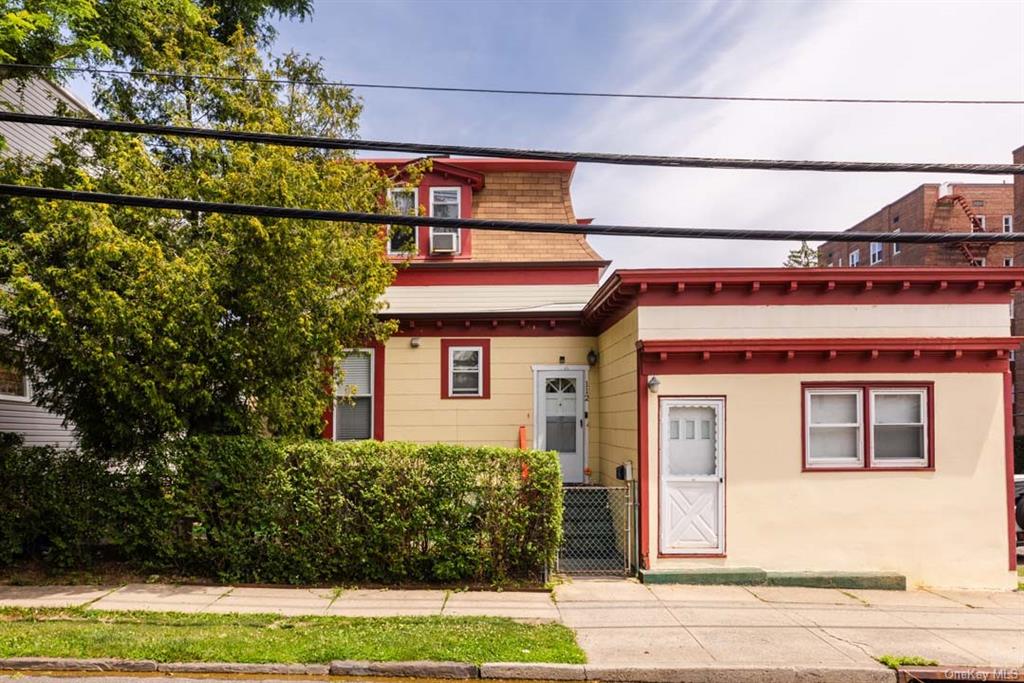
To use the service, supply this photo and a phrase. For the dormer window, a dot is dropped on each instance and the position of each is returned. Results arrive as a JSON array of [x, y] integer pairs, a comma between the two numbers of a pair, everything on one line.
[[445, 202], [402, 239]]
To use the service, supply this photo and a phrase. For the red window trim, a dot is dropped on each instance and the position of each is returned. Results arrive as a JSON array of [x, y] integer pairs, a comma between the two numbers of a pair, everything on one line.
[[378, 395], [485, 366], [865, 389]]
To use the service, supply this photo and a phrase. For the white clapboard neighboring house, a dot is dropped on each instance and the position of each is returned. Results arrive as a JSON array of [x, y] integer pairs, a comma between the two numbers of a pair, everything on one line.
[[18, 412]]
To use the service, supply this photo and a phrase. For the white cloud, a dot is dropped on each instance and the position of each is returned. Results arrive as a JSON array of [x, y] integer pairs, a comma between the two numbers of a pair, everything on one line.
[[851, 49]]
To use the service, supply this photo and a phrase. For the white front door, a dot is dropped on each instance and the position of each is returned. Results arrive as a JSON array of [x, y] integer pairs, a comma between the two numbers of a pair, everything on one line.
[[692, 490], [560, 396]]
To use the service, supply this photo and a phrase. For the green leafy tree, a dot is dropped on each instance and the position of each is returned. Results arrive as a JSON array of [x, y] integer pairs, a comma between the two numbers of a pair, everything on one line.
[[802, 257], [118, 31], [138, 324]]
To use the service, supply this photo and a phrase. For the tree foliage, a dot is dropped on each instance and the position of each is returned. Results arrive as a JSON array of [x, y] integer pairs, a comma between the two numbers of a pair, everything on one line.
[[49, 31], [139, 323], [802, 257]]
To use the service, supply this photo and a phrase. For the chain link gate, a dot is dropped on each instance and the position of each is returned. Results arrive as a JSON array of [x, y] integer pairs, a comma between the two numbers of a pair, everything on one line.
[[597, 530]]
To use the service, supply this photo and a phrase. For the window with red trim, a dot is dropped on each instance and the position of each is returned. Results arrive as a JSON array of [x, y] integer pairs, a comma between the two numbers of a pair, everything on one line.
[[867, 426], [465, 368]]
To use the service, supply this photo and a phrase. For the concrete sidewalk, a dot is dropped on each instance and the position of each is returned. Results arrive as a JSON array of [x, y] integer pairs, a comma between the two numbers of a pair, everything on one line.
[[622, 622]]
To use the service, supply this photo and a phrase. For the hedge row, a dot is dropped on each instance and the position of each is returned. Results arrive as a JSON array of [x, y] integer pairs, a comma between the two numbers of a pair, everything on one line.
[[262, 510]]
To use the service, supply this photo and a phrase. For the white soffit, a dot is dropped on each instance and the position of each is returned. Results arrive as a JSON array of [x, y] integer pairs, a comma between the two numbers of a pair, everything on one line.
[[487, 298]]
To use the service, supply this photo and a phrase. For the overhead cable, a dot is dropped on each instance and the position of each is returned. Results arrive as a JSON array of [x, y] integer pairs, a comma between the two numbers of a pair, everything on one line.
[[262, 211], [321, 142], [513, 91]]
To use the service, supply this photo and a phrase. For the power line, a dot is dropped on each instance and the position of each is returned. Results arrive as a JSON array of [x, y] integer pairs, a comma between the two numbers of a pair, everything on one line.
[[318, 142], [262, 211], [511, 91]]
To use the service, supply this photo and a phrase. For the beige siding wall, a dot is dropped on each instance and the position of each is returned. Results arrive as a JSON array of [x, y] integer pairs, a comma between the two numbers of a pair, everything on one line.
[[617, 373], [941, 528], [415, 411], [770, 322]]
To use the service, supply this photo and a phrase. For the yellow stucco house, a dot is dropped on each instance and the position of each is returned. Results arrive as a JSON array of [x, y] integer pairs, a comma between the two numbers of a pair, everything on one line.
[[774, 421]]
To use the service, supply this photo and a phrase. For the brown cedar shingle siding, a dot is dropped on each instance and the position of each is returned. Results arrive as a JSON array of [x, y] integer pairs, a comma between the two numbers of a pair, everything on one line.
[[527, 197]]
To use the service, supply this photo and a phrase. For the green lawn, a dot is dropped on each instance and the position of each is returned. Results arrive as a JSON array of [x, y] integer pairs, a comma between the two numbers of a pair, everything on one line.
[[172, 637]]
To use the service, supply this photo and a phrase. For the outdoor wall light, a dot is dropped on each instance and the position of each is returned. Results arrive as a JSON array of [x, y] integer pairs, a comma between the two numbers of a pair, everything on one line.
[[414, 342], [653, 383], [592, 357]]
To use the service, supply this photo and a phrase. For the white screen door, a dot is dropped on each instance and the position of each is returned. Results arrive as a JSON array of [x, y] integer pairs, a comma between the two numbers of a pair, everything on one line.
[[560, 396], [692, 489]]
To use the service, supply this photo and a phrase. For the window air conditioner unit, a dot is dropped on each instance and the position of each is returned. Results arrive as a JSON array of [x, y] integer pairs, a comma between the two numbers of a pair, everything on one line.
[[444, 242]]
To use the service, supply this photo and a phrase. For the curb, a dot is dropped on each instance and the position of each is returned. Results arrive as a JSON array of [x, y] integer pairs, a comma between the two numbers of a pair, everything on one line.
[[489, 671]]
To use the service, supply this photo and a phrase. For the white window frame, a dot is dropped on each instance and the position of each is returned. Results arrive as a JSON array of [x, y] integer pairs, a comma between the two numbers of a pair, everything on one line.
[[979, 262], [415, 246], [896, 245], [855, 258], [1007, 223], [1008, 262], [27, 398], [875, 253], [811, 462], [338, 387], [840, 263], [458, 205], [981, 221], [479, 371], [900, 463]]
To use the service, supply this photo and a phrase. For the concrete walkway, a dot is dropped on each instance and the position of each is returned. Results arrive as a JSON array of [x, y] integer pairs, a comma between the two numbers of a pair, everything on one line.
[[620, 622]]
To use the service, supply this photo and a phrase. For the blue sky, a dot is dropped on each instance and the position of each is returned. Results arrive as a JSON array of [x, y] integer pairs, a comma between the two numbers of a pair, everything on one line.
[[954, 49]]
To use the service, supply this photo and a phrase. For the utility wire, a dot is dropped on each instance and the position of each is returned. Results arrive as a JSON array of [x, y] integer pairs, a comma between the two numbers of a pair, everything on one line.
[[318, 142], [509, 91], [775, 235]]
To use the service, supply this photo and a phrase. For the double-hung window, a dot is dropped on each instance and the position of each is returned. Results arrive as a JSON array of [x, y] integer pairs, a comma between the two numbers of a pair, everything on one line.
[[14, 384], [896, 245], [866, 427], [875, 253], [980, 222], [1007, 223], [402, 239], [855, 258], [353, 403], [465, 370], [445, 202]]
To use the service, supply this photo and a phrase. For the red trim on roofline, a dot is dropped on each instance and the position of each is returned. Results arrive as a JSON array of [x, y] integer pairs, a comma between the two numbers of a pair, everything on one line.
[[506, 273], [841, 355], [482, 165], [626, 289], [553, 324]]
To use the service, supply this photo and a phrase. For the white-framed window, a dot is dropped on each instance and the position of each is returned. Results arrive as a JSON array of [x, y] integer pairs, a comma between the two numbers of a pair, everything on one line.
[[981, 221], [353, 404], [866, 427], [875, 253], [896, 245], [835, 427], [465, 371], [14, 384], [899, 434], [445, 202], [403, 239], [979, 262], [1007, 223], [1008, 262], [855, 258], [840, 263]]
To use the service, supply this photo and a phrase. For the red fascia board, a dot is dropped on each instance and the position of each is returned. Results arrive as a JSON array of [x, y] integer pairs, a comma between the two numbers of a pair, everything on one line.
[[508, 273], [483, 165], [844, 355], [793, 286], [829, 344]]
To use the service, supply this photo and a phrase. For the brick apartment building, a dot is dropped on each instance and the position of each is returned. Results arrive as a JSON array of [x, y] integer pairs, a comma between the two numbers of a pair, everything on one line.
[[948, 207]]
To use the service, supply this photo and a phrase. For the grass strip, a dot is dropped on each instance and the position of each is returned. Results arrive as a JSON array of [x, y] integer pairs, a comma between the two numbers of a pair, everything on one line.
[[267, 638]]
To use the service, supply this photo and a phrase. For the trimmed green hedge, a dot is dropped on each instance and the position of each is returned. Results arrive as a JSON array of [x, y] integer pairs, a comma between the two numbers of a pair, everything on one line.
[[262, 510]]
